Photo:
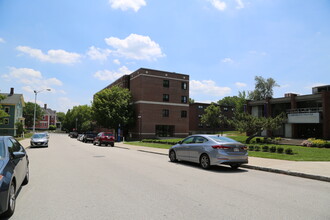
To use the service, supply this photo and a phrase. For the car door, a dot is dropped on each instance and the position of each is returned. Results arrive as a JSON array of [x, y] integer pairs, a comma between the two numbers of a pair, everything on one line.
[[196, 148], [182, 150], [20, 164]]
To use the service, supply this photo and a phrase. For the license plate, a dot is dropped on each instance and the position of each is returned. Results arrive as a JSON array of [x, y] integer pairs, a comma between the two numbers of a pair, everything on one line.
[[236, 149]]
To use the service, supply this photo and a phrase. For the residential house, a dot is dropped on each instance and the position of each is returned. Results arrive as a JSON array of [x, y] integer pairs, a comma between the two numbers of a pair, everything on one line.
[[48, 118]]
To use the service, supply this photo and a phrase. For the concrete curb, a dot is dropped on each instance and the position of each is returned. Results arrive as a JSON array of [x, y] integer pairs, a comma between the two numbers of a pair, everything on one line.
[[290, 173]]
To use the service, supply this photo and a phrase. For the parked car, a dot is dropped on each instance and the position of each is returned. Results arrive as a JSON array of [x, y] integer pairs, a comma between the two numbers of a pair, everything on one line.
[[208, 150], [39, 140], [104, 138], [80, 137], [73, 134], [14, 172], [89, 137]]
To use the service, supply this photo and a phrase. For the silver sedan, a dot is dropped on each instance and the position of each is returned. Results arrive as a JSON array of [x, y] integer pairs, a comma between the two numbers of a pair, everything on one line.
[[39, 140], [208, 150]]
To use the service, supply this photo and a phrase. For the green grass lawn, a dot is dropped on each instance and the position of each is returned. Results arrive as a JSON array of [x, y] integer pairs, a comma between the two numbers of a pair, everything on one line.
[[300, 153]]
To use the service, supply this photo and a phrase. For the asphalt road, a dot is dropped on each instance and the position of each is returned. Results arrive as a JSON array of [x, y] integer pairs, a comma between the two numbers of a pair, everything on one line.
[[74, 180]]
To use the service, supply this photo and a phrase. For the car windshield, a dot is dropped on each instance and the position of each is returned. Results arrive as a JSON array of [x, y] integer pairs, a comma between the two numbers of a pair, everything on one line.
[[2, 150], [39, 136], [221, 139]]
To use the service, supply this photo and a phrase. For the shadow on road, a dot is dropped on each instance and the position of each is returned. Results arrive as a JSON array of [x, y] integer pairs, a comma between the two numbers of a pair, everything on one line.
[[216, 169]]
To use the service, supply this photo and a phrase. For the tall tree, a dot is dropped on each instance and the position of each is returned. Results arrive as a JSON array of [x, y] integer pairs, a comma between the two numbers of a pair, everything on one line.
[[60, 116], [214, 117], [28, 113], [235, 101], [2, 112], [112, 107], [79, 117], [253, 125], [263, 88]]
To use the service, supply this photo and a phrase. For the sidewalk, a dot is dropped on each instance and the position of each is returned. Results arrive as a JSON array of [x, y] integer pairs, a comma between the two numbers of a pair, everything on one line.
[[306, 169]]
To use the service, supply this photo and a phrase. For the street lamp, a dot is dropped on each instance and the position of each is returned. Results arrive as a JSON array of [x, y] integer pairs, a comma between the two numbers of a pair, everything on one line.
[[35, 107]]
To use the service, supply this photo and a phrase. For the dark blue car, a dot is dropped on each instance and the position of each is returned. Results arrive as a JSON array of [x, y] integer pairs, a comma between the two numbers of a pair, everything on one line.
[[14, 172]]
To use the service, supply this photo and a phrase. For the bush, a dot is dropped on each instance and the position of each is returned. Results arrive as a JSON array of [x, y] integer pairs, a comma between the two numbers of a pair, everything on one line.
[[280, 150], [257, 148], [288, 151], [272, 149], [52, 127], [251, 148], [265, 148]]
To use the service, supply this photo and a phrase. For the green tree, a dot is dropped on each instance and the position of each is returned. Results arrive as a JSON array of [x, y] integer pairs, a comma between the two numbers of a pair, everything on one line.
[[79, 116], [19, 127], [28, 112], [235, 101], [60, 116], [263, 88], [112, 107], [253, 125], [191, 101], [3, 114], [214, 117]]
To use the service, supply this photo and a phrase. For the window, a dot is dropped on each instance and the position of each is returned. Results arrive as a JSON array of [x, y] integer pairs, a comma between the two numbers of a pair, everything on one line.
[[200, 106], [199, 116], [6, 121], [166, 113], [199, 140], [166, 97], [7, 110], [188, 140], [225, 109], [16, 146], [166, 83], [184, 99], [183, 114], [184, 85], [200, 125]]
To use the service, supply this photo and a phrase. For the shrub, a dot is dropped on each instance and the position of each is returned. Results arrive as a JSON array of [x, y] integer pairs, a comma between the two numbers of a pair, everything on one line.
[[280, 150], [265, 148], [257, 148], [288, 151], [251, 148], [272, 149]]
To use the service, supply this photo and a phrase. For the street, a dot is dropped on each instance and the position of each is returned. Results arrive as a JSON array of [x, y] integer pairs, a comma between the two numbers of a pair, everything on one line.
[[75, 180]]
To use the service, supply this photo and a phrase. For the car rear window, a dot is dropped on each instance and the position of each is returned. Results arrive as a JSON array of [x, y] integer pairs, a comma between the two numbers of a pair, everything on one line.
[[108, 134], [2, 150], [221, 139]]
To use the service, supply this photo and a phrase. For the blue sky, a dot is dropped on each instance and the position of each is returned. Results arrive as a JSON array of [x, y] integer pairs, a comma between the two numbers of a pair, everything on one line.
[[76, 48]]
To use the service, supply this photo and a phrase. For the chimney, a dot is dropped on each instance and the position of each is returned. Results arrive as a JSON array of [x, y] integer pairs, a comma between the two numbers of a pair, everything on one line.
[[45, 106], [11, 91]]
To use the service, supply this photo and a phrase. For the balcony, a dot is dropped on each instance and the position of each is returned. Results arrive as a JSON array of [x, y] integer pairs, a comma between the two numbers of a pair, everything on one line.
[[304, 115]]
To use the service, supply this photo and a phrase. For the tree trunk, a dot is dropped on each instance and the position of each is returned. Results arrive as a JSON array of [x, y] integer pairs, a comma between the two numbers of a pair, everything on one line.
[[250, 138]]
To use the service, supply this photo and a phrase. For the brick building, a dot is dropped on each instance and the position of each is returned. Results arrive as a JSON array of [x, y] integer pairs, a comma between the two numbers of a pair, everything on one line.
[[307, 115], [48, 118], [196, 110], [160, 100]]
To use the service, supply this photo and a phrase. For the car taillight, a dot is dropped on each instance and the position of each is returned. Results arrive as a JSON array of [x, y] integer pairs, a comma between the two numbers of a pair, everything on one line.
[[220, 147]]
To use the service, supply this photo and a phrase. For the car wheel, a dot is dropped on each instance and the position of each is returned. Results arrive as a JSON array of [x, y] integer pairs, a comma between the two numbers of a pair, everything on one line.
[[173, 156], [94, 143], [112, 144], [27, 176], [100, 143], [106, 145], [234, 166], [11, 201], [205, 161]]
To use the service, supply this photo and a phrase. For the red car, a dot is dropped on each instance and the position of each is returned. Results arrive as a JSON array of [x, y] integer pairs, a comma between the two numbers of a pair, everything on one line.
[[104, 138]]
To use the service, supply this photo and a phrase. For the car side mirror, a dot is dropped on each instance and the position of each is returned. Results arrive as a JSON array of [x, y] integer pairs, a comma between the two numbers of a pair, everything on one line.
[[18, 155]]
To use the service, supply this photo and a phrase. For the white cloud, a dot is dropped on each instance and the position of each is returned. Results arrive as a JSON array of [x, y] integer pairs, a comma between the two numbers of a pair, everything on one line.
[[31, 79], [98, 53], [227, 60], [2, 40], [65, 103], [52, 56], [116, 61], [219, 5], [207, 87], [240, 84], [125, 5], [240, 4], [136, 47], [111, 75]]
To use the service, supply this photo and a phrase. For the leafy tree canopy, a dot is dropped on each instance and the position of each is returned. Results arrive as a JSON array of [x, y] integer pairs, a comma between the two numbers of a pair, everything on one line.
[[79, 117], [60, 116], [214, 117], [28, 113], [235, 101], [2, 112], [112, 107], [263, 88]]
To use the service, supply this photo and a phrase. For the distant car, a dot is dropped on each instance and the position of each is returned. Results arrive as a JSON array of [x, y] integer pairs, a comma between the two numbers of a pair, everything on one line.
[[39, 140], [104, 138], [89, 137], [14, 172], [208, 150], [73, 134], [80, 137]]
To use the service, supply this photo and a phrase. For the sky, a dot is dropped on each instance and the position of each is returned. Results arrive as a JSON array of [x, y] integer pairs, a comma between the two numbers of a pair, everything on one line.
[[77, 48]]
